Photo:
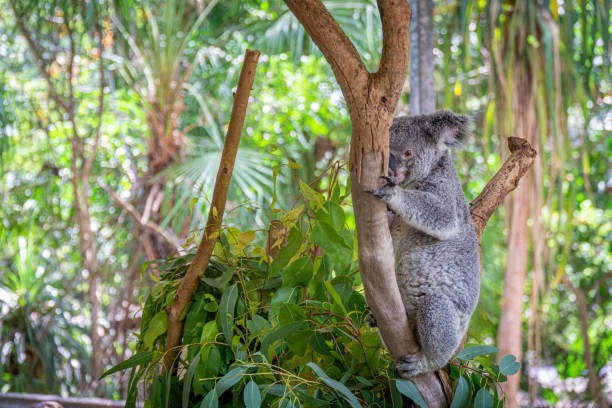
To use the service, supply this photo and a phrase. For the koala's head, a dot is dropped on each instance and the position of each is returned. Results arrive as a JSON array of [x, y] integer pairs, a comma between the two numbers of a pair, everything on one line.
[[417, 143]]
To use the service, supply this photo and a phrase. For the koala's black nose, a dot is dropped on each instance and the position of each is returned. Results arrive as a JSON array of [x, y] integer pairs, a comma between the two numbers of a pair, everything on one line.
[[392, 163]]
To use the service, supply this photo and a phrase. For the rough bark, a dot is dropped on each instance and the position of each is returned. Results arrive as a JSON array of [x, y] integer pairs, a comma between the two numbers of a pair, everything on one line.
[[200, 261]]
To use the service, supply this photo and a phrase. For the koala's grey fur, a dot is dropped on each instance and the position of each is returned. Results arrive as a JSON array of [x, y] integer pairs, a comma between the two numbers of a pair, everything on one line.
[[436, 249]]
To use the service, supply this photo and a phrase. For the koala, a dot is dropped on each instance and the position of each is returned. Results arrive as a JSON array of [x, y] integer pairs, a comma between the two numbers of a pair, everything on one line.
[[437, 263]]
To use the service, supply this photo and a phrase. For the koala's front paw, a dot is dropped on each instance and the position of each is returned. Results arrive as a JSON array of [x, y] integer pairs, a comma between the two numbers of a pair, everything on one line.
[[412, 365], [391, 181], [384, 193], [370, 319]]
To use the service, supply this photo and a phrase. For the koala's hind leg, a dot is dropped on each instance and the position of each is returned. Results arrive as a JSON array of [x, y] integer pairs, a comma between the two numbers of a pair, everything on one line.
[[438, 334]]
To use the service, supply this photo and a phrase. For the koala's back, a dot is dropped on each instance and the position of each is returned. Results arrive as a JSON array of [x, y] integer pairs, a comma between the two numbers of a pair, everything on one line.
[[428, 266]]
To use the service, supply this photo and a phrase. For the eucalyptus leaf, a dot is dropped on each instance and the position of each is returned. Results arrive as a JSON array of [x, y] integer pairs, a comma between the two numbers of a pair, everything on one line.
[[157, 326], [288, 251], [336, 385], [211, 400], [226, 311], [136, 360], [462, 394], [508, 365], [470, 353], [193, 364], [221, 281], [252, 396], [229, 379], [483, 399], [407, 388], [278, 334], [299, 272]]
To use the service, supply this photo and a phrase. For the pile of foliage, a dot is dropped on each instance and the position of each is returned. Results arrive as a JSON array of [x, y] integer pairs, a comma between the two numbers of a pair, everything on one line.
[[283, 325]]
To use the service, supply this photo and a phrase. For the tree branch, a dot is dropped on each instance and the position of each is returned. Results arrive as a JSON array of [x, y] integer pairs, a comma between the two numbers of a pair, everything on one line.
[[395, 48], [215, 216], [505, 180], [166, 235]]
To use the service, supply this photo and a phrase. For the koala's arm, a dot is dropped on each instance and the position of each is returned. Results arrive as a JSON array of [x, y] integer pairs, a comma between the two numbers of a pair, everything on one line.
[[426, 211]]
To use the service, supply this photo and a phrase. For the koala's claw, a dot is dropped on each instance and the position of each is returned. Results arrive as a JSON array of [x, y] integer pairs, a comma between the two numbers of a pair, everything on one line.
[[383, 193], [411, 365], [370, 320], [389, 180], [375, 192]]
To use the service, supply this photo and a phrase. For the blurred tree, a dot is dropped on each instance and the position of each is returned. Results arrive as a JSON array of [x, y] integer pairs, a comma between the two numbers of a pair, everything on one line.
[[422, 39], [56, 46], [526, 57]]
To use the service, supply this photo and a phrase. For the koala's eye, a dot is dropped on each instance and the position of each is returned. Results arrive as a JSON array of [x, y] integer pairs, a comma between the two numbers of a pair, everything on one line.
[[408, 154]]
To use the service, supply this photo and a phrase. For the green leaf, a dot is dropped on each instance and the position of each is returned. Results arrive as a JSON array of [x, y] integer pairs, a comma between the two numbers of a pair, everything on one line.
[[257, 324], [332, 214], [364, 381], [299, 272], [335, 296], [483, 399], [229, 379], [508, 365], [283, 295], [278, 334], [318, 344], [211, 400], [462, 394], [337, 385], [212, 365], [326, 236], [290, 312], [139, 359], [226, 311], [211, 307], [221, 281], [454, 372], [158, 289], [157, 326], [252, 396], [294, 241], [469, 353], [209, 332], [407, 388], [189, 378], [316, 199]]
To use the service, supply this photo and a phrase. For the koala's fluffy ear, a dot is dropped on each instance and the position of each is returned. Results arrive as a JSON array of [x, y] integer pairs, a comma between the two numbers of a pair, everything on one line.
[[450, 129]]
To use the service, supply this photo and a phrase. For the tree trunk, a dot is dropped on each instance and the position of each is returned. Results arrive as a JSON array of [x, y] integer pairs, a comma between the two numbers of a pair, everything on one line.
[[509, 334], [583, 314], [422, 86]]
